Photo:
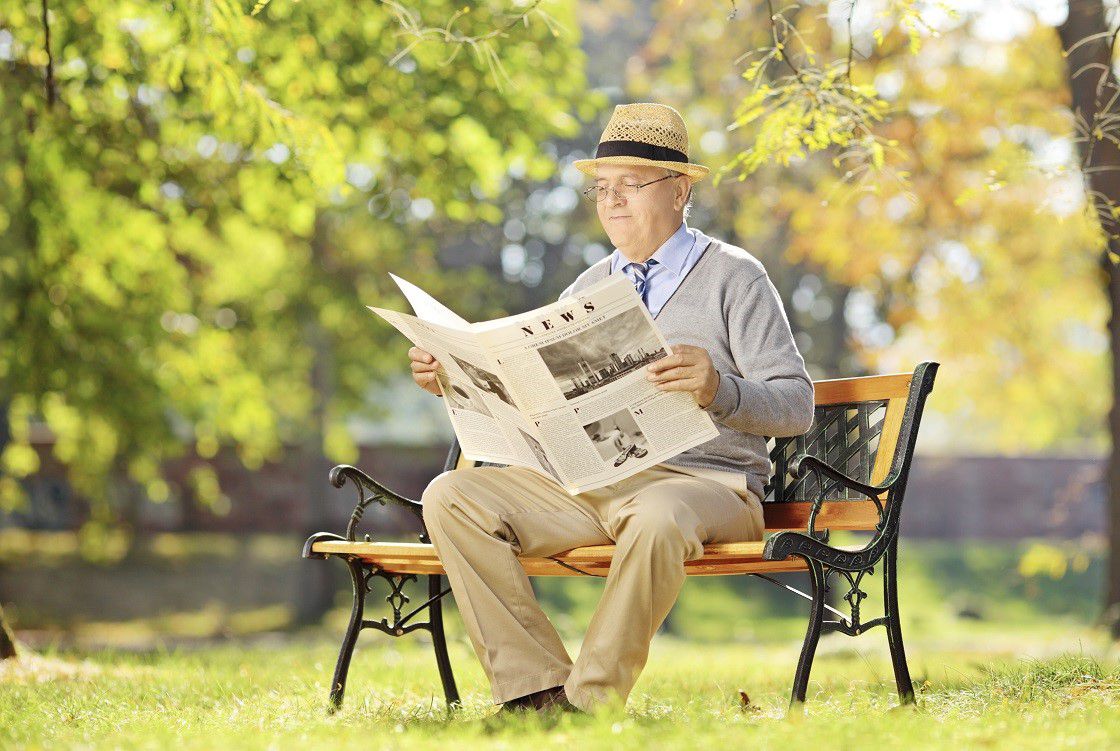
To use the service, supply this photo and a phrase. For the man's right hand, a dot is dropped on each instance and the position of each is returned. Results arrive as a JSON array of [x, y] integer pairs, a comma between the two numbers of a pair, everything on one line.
[[424, 367]]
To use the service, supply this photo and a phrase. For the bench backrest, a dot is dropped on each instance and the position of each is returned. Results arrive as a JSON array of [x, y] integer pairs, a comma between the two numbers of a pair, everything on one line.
[[866, 427]]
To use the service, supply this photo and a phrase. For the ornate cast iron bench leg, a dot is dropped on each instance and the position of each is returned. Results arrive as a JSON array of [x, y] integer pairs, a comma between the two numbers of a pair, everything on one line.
[[812, 633], [894, 625], [342, 667], [361, 574], [439, 641]]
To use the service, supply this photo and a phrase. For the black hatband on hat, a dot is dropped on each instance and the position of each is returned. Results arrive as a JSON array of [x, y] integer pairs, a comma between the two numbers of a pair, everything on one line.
[[640, 149]]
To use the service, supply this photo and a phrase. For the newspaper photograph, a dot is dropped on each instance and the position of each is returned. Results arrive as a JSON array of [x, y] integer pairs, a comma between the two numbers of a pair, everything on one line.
[[603, 354], [562, 389]]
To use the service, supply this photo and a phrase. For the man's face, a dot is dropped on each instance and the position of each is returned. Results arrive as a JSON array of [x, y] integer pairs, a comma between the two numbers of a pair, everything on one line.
[[640, 223]]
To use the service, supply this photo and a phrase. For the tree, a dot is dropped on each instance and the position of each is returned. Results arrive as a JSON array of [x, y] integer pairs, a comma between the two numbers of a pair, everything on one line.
[[198, 202], [994, 123], [1089, 46]]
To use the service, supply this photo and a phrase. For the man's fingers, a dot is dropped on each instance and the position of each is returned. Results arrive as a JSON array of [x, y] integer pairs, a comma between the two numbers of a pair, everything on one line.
[[675, 360], [424, 367], [672, 374], [418, 355], [680, 384]]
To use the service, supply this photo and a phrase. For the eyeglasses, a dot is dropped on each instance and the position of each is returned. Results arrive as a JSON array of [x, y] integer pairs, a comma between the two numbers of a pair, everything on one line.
[[596, 193]]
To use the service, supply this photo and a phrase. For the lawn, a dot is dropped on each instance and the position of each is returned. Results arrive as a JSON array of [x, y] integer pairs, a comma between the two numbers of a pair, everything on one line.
[[1001, 642], [272, 696]]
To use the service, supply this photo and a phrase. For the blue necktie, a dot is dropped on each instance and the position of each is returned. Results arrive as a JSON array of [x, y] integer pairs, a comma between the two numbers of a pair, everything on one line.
[[637, 273]]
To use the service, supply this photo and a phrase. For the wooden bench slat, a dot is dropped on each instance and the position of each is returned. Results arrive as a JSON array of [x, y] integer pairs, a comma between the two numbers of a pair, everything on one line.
[[852, 515], [419, 558], [861, 388]]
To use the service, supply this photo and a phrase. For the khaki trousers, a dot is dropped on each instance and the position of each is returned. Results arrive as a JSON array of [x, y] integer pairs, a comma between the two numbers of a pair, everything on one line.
[[480, 519]]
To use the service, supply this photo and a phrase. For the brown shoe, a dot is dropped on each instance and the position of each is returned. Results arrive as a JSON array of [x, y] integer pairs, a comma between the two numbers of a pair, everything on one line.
[[545, 701], [518, 705], [552, 700]]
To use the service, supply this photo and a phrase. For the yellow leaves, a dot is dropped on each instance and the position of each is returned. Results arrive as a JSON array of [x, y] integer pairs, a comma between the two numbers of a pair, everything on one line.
[[203, 480], [37, 56], [19, 460], [158, 491], [100, 543], [1043, 560], [876, 150], [206, 446], [753, 70], [339, 446], [12, 495], [301, 219], [113, 58]]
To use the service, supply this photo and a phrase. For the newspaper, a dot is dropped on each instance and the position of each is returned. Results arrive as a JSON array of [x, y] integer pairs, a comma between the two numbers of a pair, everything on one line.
[[561, 389]]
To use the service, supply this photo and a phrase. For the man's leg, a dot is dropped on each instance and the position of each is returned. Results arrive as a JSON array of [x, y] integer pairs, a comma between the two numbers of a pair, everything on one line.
[[657, 524], [479, 520]]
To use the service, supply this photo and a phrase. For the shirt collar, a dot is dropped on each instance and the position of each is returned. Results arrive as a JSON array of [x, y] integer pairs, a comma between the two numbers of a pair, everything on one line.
[[672, 253]]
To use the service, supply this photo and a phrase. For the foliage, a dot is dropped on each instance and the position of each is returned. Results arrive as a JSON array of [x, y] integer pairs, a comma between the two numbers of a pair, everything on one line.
[[189, 233], [974, 245]]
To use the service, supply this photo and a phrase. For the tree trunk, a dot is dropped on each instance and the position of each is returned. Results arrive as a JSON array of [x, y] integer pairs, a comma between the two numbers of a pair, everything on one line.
[[7, 639], [318, 582], [1095, 94]]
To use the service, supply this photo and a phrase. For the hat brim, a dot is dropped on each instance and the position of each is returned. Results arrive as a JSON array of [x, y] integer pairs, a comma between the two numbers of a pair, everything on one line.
[[695, 172]]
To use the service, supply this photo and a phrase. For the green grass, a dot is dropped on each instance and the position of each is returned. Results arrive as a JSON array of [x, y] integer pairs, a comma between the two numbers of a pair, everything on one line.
[[1001, 640], [274, 697]]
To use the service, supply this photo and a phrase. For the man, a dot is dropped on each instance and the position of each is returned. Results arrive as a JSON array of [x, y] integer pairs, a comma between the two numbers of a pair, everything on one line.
[[733, 351]]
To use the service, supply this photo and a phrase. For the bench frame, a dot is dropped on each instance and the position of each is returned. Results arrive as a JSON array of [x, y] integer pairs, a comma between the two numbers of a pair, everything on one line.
[[817, 485]]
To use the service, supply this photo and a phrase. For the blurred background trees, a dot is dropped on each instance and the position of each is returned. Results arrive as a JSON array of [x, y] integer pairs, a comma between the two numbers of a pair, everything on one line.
[[198, 203]]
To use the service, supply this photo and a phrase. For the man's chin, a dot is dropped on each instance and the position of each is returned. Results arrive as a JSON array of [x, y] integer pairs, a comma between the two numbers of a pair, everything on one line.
[[619, 239]]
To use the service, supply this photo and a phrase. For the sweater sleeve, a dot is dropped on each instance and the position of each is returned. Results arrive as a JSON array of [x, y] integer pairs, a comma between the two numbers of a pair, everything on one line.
[[771, 394]]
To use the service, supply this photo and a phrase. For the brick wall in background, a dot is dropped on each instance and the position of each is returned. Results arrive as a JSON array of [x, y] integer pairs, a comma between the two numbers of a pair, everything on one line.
[[990, 497]]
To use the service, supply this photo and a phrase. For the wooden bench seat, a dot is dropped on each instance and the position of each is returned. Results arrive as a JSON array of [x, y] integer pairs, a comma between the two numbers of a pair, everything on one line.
[[420, 558]]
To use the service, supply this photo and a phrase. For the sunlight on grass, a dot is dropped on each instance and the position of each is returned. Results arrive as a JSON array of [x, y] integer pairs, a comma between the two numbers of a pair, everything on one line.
[[689, 696]]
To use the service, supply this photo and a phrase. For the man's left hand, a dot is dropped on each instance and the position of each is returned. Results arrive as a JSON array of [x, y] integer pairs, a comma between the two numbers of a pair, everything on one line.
[[688, 369]]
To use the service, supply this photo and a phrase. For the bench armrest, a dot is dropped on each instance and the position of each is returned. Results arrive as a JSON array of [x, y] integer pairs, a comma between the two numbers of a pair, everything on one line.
[[369, 490], [808, 463], [784, 544]]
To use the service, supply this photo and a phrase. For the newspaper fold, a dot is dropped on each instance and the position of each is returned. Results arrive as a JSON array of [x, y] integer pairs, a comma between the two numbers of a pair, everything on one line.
[[561, 389]]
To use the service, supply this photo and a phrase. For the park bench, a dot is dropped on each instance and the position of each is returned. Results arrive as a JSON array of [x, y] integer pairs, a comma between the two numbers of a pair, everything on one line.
[[848, 472]]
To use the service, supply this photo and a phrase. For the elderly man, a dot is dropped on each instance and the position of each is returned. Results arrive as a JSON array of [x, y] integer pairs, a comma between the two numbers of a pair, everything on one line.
[[733, 351]]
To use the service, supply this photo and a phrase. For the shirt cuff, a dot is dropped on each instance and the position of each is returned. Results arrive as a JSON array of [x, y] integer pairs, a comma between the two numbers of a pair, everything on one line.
[[726, 399]]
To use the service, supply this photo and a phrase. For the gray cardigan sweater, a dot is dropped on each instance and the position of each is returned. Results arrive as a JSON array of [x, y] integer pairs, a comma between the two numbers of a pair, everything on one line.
[[728, 305]]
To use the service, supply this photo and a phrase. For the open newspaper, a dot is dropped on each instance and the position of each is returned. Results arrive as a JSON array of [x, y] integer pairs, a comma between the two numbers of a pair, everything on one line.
[[561, 389]]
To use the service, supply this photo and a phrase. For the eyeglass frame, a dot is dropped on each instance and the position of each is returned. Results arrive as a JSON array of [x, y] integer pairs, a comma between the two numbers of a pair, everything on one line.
[[602, 190]]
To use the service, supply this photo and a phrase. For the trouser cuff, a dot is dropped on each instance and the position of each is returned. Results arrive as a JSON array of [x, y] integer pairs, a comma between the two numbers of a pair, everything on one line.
[[508, 690], [588, 701]]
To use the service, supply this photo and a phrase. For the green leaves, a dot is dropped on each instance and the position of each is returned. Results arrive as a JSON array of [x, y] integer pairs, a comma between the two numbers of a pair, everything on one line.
[[807, 112], [189, 237]]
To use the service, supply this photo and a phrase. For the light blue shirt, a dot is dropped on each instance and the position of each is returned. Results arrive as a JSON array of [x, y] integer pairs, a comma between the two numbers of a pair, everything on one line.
[[675, 258]]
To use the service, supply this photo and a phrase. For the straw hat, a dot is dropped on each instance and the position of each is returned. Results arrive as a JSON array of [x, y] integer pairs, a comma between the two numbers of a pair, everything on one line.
[[645, 134]]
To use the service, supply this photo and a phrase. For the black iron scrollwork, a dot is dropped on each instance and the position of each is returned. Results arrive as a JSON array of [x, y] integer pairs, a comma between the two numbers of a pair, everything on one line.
[[369, 491], [852, 626], [845, 436], [397, 599]]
